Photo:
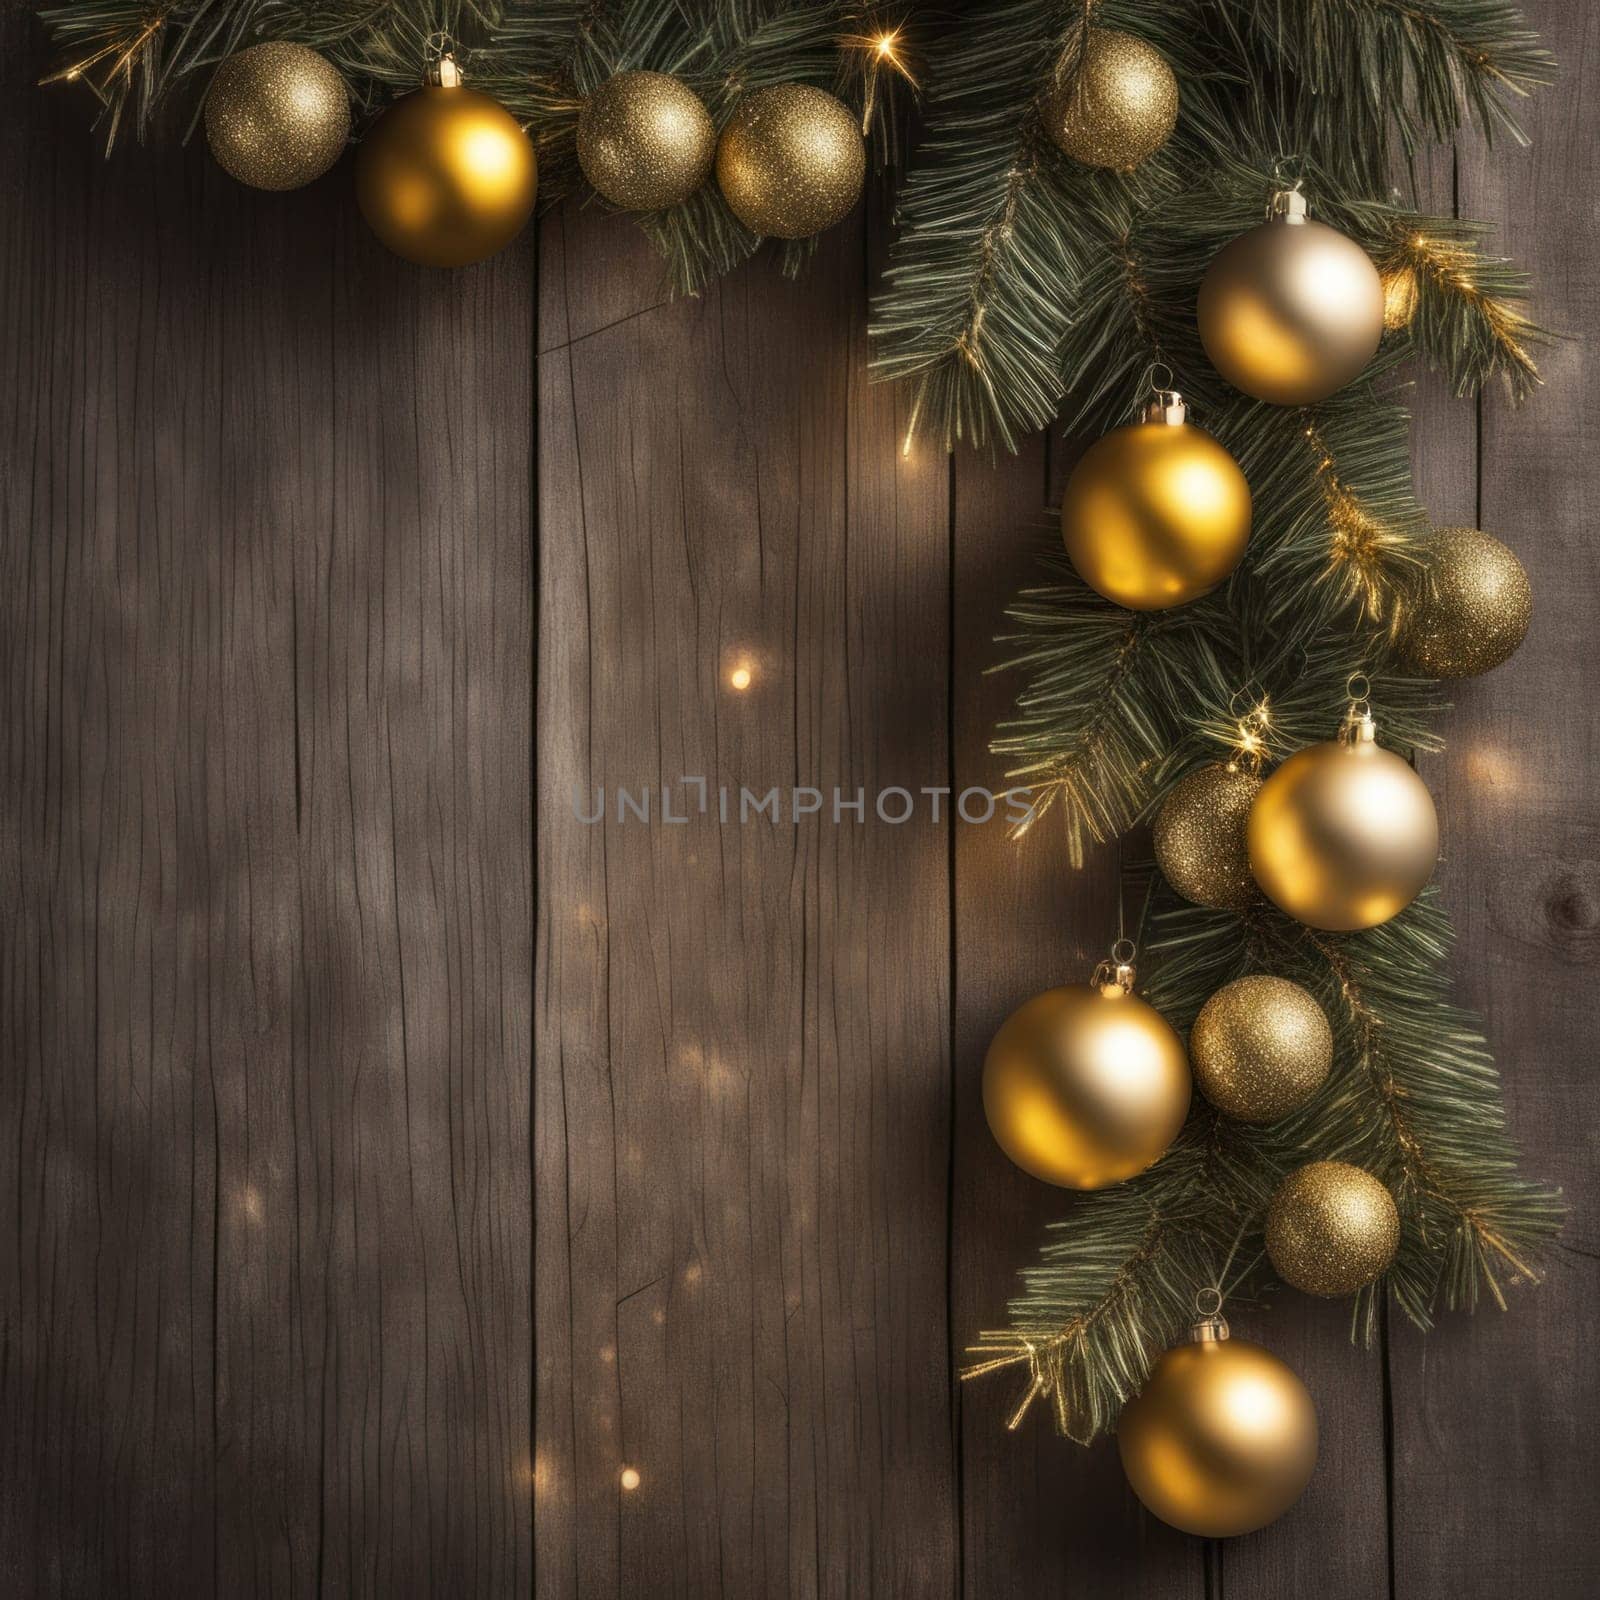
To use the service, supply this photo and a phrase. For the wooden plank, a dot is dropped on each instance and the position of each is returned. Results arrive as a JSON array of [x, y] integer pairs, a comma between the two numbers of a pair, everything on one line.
[[120, 940], [1495, 1454], [742, 1030], [267, 953], [1040, 1515]]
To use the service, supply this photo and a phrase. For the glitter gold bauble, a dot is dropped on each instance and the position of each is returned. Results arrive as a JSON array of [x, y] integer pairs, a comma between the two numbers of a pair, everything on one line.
[[645, 141], [446, 176], [1292, 310], [1115, 104], [1085, 1085], [1331, 1229], [1344, 834], [1260, 1048], [790, 161], [1222, 1439], [277, 115], [1474, 610], [1199, 836], [1157, 513]]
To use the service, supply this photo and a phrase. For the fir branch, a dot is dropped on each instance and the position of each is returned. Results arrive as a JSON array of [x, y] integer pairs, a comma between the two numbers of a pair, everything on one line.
[[1095, 730], [1419, 1106], [539, 62], [1462, 310], [1423, 67]]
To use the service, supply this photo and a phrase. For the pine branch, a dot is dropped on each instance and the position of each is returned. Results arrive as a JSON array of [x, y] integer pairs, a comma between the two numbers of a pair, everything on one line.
[[1095, 730], [1423, 67], [1419, 1106], [1413, 1097], [539, 62], [1461, 309]]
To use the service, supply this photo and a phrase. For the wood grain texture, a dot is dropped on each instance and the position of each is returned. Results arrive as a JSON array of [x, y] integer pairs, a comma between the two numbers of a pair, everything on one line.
[[393, 1158], [1039, 1514], [742, 1058], [265, 966], [1495, 1447]]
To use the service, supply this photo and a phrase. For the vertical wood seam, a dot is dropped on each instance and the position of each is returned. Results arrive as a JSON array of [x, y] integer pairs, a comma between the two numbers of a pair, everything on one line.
[[535, 540], [956, 1433]]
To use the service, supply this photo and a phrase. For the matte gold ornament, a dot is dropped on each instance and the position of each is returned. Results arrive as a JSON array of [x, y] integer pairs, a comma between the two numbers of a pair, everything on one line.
[[1344, 834], [1116, 105], [277, 115], [1260, 1048], [1293, 310], [1086, 1084], [1474, 610], [645, 140], [790, 161], [1157, 513], [446, 176], [1331, 1229], [1222, 1439], [1200, 836]]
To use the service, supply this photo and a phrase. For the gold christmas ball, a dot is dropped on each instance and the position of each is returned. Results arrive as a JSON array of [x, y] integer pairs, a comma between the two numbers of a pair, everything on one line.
[[1291, 311], [645, 141], [1343, 835], [277, 115], [790, 161], [1222, 1439], [1085, 1085], [1199, 837], [1117, 107], [1474, 610], [1331, 1229], [1260, 1048], [446, 177], [1155, 514]]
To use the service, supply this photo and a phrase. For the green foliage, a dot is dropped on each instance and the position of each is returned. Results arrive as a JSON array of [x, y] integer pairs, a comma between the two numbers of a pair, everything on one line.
[[1019, 277], [1413, 1097], [1115, 707], [539, 60]]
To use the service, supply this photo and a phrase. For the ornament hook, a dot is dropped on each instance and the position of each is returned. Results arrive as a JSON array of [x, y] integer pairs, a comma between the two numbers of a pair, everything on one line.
[[1359, 727], [1209, 1326], [1117, 972], [1165, 403], [443, 69], [1286, 202]]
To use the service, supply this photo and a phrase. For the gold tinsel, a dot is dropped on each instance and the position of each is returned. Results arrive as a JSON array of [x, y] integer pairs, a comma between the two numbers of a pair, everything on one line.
[[1113, 105], [1260, 1048], [277, 115], [1200, 836], [645, 141], [790, 161], [1399, 296], [1331, 1229], [1474, 609]]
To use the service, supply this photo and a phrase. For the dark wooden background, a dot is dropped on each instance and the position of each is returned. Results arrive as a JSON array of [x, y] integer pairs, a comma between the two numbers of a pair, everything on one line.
[[391, 1159]]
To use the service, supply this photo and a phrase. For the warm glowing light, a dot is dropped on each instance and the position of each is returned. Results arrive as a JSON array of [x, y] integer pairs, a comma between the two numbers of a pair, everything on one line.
[[740, 677], [629, 1478], [885, 43]]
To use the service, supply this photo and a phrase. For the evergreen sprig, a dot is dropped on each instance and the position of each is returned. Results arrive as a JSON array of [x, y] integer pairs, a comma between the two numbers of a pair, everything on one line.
[[540, 60], [1016, 272], [1115, 707]]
